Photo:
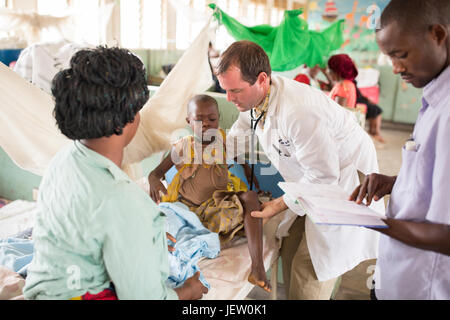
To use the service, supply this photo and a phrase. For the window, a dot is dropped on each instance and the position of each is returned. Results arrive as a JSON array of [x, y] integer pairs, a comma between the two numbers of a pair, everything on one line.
[[191, 18], [51, 7], [141, 23], [94, 11], [151, 24]]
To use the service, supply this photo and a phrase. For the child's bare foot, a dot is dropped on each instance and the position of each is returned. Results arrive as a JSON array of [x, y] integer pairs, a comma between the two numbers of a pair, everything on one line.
[[259, 279]]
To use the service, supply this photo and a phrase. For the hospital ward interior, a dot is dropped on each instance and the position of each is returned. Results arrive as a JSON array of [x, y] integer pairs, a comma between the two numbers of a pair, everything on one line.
[[312, 45]]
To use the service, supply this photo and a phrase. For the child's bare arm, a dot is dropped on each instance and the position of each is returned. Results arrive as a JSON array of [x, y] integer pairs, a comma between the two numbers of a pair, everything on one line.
[[154, 178]]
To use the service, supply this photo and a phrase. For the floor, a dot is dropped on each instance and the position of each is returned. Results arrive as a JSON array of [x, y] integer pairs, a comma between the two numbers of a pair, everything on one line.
[[354, 283]]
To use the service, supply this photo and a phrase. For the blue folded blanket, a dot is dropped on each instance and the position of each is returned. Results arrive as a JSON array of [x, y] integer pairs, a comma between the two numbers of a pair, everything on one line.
[[16, 254], [194, 241]]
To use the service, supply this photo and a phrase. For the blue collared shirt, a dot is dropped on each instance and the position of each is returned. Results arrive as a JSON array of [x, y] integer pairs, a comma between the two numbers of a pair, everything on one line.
[[421, 194]]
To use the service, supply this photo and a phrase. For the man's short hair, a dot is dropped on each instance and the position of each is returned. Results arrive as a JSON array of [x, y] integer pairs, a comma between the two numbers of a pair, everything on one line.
[[99, 94], [417, 15], [249, 57]]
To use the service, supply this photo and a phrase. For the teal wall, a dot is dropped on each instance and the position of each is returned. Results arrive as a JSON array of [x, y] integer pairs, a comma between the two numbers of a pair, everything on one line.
[[400, 101], [16, 183], [154, 59]]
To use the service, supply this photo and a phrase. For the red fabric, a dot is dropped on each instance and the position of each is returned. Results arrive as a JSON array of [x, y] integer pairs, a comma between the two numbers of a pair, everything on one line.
[[345, 89], [343, 65], [371, 93], [303, 78], [106, 294]]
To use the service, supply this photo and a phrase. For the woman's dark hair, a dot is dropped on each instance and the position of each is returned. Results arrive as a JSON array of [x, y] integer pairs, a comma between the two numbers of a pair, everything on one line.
[[249, 57], [344, 66], [100, 93]]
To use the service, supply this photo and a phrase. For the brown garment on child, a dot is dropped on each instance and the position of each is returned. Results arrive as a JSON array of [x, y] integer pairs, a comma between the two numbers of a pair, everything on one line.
[[209, 192], [219, 210]]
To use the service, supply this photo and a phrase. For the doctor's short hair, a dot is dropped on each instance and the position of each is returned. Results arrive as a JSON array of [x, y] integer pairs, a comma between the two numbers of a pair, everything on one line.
[[249, 57], [416, 15], [100, 93]]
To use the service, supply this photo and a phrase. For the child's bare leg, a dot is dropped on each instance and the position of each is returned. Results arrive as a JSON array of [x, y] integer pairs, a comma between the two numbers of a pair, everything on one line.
[[254, 233]]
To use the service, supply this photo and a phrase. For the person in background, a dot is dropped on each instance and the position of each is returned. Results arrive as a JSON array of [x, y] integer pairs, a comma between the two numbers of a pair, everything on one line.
[[97, 234], [309, 76], [373, 115], [414, 252], [343, 72], [213, 56]]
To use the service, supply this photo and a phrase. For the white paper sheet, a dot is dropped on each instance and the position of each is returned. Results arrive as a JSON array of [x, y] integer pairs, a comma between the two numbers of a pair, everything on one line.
[[329, 205]]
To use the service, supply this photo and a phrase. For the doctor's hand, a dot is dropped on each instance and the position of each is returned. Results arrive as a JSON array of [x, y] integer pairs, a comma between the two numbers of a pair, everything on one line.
[[192, 289], [270, 209], [375, 186]]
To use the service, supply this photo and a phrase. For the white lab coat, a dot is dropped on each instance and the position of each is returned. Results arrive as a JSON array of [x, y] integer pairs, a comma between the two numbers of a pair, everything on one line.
[[310, 138]]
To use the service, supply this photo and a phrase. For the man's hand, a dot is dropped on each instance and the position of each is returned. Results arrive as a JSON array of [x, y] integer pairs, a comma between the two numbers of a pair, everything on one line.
[[423, 235], [156, 187], [270, 209], [192, 289], [375, 186]]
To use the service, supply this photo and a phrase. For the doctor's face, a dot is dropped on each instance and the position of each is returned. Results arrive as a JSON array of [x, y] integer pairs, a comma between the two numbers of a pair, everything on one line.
[[244, 95]]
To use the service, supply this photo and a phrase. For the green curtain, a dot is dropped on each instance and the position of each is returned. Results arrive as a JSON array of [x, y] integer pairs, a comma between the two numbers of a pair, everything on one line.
[[291, 44]]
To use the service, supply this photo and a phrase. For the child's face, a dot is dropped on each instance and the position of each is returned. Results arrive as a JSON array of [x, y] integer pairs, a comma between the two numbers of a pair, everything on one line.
[[206, 113]]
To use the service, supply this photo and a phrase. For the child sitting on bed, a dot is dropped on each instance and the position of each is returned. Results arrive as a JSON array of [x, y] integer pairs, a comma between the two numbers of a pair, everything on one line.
[[204, 184]]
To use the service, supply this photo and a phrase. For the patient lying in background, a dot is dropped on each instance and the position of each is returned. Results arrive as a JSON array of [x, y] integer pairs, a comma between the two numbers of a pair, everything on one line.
[[204, 184]]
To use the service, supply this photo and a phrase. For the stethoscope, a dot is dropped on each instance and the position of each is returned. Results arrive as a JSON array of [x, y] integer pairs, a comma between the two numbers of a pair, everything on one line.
[[254, 124]]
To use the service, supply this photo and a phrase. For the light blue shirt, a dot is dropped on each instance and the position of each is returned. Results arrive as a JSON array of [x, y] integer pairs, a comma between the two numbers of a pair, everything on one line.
[[95, 226], [421, 194]]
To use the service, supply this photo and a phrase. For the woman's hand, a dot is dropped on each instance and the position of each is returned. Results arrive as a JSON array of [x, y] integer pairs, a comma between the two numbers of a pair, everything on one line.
[[156, 187], [192, 289], [375, 186], [171, 238]]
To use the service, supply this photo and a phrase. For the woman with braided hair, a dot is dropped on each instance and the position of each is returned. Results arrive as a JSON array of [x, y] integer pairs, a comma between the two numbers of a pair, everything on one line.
[[97, 234]]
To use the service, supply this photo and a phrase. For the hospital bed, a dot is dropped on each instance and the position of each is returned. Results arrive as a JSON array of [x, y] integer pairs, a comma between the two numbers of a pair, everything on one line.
[[227, 274]]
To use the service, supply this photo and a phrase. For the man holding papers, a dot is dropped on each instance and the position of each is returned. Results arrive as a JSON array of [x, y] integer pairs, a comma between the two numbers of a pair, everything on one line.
[[414, 253], [308, 138]]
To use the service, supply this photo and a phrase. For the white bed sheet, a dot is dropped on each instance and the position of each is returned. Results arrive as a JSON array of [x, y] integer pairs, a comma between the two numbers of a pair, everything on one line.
[[227, 274], [15, 217]]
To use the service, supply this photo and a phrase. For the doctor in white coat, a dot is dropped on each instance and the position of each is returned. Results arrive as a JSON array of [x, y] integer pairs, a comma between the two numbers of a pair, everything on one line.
[[308, 138]]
